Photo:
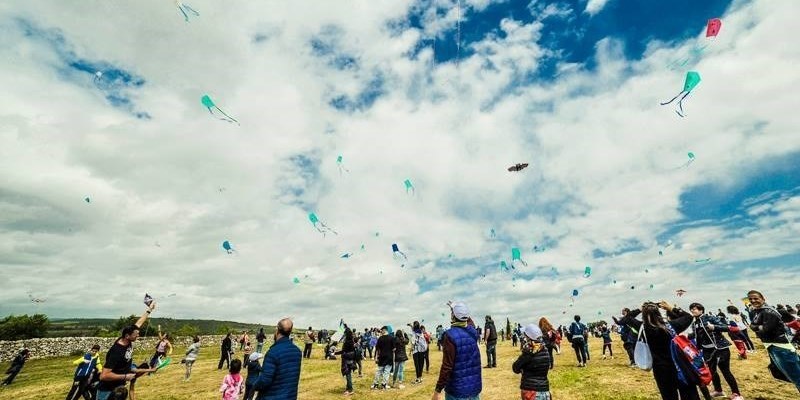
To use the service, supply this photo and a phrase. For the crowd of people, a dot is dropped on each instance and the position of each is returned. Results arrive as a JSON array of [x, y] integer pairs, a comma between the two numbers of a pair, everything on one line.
[[651, 334]]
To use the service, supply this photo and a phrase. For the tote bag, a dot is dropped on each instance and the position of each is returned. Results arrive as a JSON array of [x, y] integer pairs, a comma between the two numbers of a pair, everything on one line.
[[641, 353]]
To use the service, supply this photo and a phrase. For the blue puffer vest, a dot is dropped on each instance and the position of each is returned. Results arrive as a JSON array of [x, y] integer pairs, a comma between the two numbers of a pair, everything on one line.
[[466, 378]]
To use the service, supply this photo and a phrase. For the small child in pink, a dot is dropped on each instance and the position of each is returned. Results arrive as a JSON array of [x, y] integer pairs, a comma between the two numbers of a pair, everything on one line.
[[232, 385]]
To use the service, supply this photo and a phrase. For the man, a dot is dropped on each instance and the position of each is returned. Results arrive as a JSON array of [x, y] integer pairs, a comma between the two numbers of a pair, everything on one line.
[[384, 357], [309, 341], [280, 373], [577, 334], [460, 375], [225, 351], [768, 324], [117, 368], [82, 380], [16, 366], [490, 337], [716, 349], [628, 333]]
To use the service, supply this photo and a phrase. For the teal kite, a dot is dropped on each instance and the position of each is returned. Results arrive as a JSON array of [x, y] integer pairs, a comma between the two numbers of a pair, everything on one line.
[[409, 186], [692, 80], [587, 272], [341, 165], [209, 104], [517, 256], [321, 227]]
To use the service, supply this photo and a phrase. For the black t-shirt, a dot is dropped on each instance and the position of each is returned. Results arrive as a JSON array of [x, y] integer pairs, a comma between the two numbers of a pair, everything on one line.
[[385, 349], [118, 360]]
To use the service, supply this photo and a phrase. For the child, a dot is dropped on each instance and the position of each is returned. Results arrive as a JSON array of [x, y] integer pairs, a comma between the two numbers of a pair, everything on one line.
[[533, 364], [232, 384], [253, 369], [606, 335], [191, 357], [86, 367]]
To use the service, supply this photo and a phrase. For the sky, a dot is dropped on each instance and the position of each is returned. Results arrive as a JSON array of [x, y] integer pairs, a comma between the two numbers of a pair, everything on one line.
[[115, 181]]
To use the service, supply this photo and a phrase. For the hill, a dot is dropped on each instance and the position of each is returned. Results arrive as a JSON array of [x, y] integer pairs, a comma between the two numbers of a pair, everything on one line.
[[70, 327]]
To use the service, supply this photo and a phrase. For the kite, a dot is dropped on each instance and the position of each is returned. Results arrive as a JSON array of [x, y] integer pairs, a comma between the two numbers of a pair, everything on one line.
[[183, 8], [209, 104], [517, 167], [600, 312], [148, 300], [362, 247], [692, 79], [321, 227], [680, 292], [409, 186], [713, 27], [163, 363], [346, 255], [574, 293], [661, 252], [704, 260], [651, 286], [98, 76], [587, 272], [296, 280], [227, 246], [88, 200], [633, 287], [492, 233], [516, 255], [340, 165], [689, 161], [396, 253], [503, 266], [35, 299]]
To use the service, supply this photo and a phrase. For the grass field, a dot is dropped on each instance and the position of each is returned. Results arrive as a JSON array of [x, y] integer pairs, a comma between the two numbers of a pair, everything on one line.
[[603, 379]]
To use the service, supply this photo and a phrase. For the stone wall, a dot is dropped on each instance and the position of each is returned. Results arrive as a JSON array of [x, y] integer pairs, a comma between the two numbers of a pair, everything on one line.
[[59, 347]]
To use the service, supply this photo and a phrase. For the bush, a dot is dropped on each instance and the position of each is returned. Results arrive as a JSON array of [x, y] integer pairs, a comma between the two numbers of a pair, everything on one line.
[[23, 327]]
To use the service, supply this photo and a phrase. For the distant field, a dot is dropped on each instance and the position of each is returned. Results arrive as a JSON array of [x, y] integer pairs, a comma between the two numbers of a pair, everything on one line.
[[602, 380], [75, 327]]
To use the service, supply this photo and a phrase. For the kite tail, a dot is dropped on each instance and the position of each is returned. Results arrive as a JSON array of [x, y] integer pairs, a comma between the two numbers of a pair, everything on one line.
[[328, 228], [185, 17], [403, 254], [680, 105], [673, 99], [230, 119], [192, 10]]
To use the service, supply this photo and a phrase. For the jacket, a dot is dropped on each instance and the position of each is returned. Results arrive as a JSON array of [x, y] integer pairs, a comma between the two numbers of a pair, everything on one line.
[[660, 340], [227, 344], [768, 324], [710, 338], [534, 368], [231, 387], [253, 370], [490, 332], [464, 379], [86, 365], [280, 372], [400, 348]]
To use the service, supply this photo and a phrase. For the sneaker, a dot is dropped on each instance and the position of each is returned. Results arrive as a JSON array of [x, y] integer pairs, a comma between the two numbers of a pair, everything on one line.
[[717, 394], [373, 387], [401, 386], [348, 393], [604, 356]]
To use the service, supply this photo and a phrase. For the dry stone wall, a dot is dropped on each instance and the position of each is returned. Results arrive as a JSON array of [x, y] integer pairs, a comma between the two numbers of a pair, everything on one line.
[[59, 347]]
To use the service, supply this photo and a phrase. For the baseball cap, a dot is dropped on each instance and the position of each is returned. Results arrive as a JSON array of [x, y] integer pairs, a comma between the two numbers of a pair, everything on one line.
[[460, 311], [533, 332], [255, 356]]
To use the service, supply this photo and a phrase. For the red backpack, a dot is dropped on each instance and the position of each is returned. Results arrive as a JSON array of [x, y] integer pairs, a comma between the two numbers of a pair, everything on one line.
[[689, 361]]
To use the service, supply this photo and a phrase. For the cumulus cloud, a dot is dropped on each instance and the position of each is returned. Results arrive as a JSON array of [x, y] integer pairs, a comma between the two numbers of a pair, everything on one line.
[[595, 6], [603, 187]]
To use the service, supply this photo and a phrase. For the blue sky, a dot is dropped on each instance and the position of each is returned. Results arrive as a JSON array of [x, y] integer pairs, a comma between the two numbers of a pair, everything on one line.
[[109, 108]]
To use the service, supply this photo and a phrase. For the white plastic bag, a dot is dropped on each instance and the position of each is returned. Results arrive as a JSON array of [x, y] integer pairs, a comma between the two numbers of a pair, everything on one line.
[[641, 353]]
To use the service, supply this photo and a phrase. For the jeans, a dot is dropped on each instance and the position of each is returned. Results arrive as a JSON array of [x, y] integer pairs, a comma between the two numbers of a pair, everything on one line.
[[259, 347], [579, 345], [103, 395], [491, 354], [788, 362], [399, 368], [382, 375], [249, 391], [348, 382], [670, 387], [307, 350], [629, 349]]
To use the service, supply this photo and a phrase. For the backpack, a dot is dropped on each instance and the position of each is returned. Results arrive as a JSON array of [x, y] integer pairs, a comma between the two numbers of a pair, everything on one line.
[[688, 360], [641, 353], [577, 329]]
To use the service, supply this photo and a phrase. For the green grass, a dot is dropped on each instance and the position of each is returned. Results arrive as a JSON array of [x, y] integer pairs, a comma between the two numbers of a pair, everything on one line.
[[602, 380]]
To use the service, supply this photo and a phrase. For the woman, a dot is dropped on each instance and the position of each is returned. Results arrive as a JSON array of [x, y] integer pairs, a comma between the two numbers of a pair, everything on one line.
[[738, 318], [533, 364], [578, 334], [260, 338], [768, 325], [191, 356], [163, 348], [659, 340], [707, 331], [400, 358], [348, 361], [550, 337], [418, 348]]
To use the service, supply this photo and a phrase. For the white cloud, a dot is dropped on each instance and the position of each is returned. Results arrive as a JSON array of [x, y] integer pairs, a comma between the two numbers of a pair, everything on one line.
[[602, 152], [595, 6]]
